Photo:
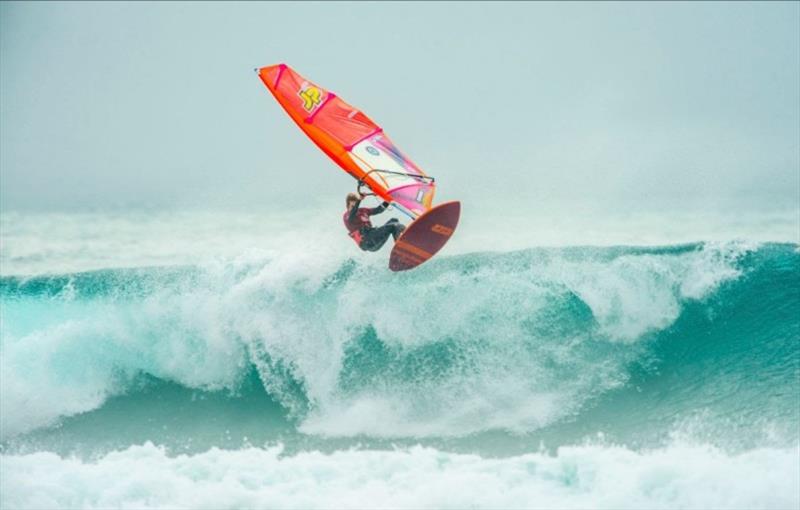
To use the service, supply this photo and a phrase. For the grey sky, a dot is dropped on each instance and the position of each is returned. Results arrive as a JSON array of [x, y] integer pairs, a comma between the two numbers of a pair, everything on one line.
[[632, 105]]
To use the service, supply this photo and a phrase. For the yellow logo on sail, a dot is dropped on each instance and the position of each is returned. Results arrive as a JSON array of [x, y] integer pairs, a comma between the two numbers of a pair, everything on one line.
[[310, 95]]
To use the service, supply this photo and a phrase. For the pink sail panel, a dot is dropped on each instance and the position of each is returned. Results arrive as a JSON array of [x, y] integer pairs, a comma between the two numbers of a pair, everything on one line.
[[403, 181]]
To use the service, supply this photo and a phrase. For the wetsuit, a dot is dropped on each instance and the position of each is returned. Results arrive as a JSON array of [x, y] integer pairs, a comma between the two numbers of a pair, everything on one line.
[[360, 227]]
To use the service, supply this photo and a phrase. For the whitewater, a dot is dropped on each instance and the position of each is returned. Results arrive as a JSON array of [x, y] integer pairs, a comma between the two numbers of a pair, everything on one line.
[[203, 360]]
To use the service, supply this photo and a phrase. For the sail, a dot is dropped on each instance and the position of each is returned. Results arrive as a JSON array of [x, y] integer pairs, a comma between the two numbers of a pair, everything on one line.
[[351, 139]]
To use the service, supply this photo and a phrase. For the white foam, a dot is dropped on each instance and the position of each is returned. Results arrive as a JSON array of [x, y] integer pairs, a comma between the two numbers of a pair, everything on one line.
[[497, 228], [41, 242], [679, 476], [57, 243]]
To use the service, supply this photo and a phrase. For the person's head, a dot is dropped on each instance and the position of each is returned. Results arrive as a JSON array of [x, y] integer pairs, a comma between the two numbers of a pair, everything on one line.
[[351, 199]]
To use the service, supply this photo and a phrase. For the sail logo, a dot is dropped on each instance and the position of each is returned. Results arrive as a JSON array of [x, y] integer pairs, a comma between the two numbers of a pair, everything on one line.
[[310, 95]]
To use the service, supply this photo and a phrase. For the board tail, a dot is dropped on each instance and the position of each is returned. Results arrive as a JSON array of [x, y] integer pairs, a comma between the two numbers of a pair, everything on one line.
[[425, 236]]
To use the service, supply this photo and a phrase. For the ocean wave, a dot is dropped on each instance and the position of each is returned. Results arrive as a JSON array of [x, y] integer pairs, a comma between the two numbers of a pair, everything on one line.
[[511, 341]]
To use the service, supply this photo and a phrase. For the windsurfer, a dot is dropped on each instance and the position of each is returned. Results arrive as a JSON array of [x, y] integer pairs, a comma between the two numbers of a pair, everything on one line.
[[360, 227]]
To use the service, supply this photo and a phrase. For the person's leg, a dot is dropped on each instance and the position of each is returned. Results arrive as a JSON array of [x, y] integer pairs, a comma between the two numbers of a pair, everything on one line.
[[375, 238], [398, 229]]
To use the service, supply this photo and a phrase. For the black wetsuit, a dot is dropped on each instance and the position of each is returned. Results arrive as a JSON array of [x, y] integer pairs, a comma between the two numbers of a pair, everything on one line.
[[373, 238]]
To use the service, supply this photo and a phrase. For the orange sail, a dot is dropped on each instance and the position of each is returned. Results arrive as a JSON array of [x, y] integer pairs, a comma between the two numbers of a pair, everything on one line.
[[351, 139]]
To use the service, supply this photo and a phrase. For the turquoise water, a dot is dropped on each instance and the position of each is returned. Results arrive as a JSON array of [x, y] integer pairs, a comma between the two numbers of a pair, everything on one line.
[[579, 356]]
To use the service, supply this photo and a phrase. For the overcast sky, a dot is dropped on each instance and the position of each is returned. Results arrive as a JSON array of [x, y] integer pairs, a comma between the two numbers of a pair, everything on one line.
[[651, 105]]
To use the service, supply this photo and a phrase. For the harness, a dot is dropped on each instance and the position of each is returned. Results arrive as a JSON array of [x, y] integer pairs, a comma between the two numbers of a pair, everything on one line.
[[356, 236], [354, 231]]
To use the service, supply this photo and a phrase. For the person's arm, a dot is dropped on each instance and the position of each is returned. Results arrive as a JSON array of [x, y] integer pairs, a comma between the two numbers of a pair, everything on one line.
[[379, 209], [353, 212]]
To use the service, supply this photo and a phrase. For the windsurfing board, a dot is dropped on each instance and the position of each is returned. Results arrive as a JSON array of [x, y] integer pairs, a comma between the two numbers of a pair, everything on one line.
[[425, 236]]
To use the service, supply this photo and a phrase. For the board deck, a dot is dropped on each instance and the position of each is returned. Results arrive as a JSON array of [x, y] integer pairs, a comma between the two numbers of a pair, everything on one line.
[[425, 236]]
